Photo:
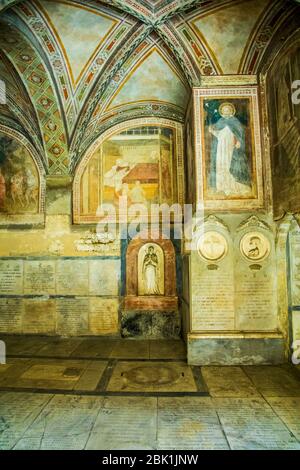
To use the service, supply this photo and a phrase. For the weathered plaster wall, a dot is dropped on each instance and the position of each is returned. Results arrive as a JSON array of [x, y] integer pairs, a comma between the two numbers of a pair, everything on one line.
[[48, 285]]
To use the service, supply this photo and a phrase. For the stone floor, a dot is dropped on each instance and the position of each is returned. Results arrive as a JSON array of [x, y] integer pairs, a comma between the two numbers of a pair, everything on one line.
[[114, 394]]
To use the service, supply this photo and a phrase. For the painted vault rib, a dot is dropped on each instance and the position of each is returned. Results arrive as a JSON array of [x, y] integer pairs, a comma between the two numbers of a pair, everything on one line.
[[36, 79]]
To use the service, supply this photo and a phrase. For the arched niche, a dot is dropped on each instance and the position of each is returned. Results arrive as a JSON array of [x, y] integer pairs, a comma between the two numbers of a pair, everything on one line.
[[137, 297], [116, 165], [151, 270], [22, 179]]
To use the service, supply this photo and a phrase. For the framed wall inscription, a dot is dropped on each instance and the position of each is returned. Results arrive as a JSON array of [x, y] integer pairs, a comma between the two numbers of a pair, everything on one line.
[[228, 148]]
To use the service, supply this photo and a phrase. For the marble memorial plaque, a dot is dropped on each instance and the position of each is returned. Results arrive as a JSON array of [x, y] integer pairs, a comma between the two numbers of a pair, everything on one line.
[[295, 266], [104, 315], [39, 316], [274, 381], [72, 316], [72, 277], [11, 277], [104, 277], [11, 312], [212, 296], [66, 422], [288, 409], [255, 299], [125, 423], [18, 411], [296, 325], [189, 423], [228, 382], [39, 277], [251, 424]]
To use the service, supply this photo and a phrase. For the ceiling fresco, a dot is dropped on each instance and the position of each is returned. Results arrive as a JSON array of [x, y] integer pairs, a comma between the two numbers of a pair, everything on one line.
[[74, 68]]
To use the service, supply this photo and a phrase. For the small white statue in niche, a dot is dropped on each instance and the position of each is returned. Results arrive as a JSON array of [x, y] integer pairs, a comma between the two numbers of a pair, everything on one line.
[[151, 270]]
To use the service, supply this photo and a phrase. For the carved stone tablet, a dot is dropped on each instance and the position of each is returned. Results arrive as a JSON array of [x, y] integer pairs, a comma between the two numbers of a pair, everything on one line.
[[212, 246], [255, 246]]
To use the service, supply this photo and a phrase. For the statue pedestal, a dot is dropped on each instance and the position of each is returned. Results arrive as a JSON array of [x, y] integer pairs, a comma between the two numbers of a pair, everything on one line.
[[150, 316], [151, 324], [151, 302]]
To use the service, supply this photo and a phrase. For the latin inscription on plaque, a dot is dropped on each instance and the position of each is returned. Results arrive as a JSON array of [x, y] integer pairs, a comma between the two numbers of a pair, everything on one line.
[[103, 315], [72, 316], [39, 277], [265, 430], [11, 311], [295, 267], [39, 316], [296, 326], [11, 277], [104, 277], [255, 300], [72, 277], [213, 297]]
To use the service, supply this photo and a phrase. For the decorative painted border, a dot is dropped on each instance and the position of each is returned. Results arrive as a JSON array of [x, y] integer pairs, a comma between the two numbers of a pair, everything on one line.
[[177, 127], [228, 80], [36, 158], [237, 92]]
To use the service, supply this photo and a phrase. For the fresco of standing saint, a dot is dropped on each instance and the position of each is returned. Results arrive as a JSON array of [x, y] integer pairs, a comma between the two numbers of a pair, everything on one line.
[[230, 162]]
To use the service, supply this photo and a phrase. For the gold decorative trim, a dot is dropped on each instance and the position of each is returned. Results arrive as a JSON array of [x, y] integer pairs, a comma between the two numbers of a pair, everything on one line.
[[228, 80]]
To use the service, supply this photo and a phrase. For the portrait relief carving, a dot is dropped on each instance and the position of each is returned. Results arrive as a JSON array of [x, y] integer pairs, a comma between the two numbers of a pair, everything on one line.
[[212, 246], [255, 246]]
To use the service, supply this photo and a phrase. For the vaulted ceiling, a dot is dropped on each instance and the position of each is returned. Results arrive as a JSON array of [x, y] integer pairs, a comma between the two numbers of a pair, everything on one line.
[[73, 68]]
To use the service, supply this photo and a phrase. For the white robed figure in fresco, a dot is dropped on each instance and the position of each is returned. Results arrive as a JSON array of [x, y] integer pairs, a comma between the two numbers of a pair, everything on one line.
[[230, 171], [114, 177], [151, 272]]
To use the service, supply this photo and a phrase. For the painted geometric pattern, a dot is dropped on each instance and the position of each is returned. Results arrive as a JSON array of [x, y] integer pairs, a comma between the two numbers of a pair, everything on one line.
[[136, 55], [35, 76], [19, 102], [204, 60], [110, 74], [269, 25], [127, 113], [72, 99], [33, 20], [102, 116], [6, 3], [171, 37]]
